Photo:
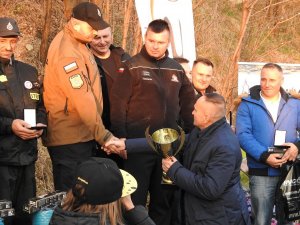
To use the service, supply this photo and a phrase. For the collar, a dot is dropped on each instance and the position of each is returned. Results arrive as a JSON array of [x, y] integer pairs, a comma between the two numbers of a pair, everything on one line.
[[211, 128], [269, 101], [209, 89], [5, 63], [255, 93], [152, 59], [69, 29]]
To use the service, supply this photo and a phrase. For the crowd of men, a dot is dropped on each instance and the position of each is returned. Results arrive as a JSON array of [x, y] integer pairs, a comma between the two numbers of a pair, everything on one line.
[[96, 100]]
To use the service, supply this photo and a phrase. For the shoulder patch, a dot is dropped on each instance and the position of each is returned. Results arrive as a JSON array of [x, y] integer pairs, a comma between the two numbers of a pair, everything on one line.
[[76, 81], [34, 96], [70, 67]]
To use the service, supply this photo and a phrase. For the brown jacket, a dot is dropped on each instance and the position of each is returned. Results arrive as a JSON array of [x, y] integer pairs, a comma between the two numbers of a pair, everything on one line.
[[71, 78]]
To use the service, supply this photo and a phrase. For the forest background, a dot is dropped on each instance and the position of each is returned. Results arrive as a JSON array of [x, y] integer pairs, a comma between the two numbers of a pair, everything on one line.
[[226, 31]]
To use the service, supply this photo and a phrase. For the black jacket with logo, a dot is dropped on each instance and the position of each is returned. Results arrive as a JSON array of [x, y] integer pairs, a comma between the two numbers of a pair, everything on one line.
[[153, 93], [19, 90]]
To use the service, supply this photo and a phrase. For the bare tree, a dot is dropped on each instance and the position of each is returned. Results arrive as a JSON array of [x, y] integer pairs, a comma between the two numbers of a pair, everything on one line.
[[230, 81], [127, 15], [46, 32]]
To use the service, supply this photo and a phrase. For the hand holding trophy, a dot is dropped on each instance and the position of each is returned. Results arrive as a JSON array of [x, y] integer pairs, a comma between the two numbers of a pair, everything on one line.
[[163, 141]]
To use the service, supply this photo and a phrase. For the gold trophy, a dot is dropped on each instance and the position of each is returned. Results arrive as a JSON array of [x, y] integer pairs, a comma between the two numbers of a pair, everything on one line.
[[163, 141]]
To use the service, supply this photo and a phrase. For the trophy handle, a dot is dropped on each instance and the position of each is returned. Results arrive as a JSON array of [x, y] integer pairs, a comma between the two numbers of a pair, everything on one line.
[[149, 139], [182, 139]]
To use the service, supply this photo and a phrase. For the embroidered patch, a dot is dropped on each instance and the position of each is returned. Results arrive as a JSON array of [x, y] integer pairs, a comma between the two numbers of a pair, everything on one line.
[[121, 70], [3, 78], [35, 96], [99, 13], [36, 85], [174, 78], [76, 81], [146, 73], [70, 67], [9, 26]]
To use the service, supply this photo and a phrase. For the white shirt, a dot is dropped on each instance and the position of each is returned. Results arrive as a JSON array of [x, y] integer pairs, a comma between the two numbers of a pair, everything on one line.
[[272, 106]]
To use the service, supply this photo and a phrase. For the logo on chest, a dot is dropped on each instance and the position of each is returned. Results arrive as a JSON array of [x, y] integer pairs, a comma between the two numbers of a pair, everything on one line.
[[146, 75], [174, 78]]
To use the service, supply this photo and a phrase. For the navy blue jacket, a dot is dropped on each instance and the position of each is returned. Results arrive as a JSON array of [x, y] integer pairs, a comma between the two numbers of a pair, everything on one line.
[[256, 129], [210, 177]]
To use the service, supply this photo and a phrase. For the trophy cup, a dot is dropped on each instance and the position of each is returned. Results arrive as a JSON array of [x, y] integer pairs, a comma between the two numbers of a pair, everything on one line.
[[163, 142]]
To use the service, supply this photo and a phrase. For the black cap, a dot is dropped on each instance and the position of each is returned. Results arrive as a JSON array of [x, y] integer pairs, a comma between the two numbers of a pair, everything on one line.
[[103, 181], [8, 27], [90, 13]]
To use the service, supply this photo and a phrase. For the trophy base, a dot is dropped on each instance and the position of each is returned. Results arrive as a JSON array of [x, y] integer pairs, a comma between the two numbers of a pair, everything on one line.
[[166, 180]]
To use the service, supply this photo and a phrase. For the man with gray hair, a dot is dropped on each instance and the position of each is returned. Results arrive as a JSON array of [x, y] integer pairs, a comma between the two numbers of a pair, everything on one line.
[[210, 174]]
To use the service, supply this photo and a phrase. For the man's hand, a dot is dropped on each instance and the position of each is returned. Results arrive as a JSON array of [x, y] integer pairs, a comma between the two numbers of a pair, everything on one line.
[[117, 146], [291, 153], [276, 160], [40, 132], [167, 163], [21, 129]]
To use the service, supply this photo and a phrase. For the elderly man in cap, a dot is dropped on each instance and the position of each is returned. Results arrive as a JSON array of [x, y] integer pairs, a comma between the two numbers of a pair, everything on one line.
[[73, 96], [20, 94]]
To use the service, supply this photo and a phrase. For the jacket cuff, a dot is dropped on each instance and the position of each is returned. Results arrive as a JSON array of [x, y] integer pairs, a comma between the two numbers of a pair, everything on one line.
[[173, 171], [298, 146], [138, 145], [264, 156]]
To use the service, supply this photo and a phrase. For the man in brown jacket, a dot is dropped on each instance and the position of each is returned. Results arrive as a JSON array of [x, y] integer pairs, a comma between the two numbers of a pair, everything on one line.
[[73, 96]]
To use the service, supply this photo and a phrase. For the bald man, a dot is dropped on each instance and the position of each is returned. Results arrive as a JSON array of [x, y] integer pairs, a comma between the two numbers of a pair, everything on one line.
[[209, 176]]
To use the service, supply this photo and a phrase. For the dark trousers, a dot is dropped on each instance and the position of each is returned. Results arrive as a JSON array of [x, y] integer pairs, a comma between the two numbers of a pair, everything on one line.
[[65, 159], [147, 169], [17, 184]]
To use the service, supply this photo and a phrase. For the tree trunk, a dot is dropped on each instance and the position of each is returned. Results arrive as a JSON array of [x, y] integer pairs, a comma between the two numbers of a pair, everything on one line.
[[69, 5], [230, 82], [127, 15], [46, 32]]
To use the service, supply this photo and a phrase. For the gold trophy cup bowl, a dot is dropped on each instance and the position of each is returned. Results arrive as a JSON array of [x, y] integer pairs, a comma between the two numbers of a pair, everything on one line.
[[163, 141]]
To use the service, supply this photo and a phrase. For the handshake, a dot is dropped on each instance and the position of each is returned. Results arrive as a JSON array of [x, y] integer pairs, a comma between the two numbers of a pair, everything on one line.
[[116, 146]]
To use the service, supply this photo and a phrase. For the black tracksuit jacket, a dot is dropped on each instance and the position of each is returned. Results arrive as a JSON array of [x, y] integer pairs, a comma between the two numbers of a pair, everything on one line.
[[153, 93]]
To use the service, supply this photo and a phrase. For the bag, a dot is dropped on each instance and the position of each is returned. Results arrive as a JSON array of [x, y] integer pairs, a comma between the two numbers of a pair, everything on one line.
[[290, 193]]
